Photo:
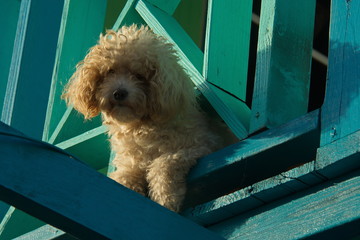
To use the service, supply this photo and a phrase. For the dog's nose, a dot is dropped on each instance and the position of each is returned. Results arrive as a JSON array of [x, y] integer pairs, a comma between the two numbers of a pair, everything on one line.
[[120, 94]]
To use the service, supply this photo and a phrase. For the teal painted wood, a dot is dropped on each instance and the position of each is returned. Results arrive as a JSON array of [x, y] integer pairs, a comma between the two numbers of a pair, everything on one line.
[[8, 20], [341, 111], [128, 15], [82, 22], [168, 6], [283, 62], [191, 58], [227, 45], [327, 211], [31, 66], [255, 195], [119, 212], [43, 233], [254, 159]]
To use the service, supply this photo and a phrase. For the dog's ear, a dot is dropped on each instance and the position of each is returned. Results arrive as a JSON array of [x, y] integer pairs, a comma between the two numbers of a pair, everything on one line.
[[81, 89], [171, 91]]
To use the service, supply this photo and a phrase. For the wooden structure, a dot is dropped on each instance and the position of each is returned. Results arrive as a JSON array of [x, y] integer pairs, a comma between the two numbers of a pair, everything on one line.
[[294, 174]]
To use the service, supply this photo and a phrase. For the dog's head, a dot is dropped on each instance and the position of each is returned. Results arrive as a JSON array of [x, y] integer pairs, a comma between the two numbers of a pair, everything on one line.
[[130, 75]]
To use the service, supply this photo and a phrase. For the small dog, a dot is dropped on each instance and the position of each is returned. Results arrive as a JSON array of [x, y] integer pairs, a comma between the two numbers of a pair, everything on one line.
[[148, 103]]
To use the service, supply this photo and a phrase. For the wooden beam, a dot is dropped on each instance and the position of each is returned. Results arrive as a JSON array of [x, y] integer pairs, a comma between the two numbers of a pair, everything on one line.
[[254, 159], [341, 112], [328, 211], [49, 184], [283, 62]]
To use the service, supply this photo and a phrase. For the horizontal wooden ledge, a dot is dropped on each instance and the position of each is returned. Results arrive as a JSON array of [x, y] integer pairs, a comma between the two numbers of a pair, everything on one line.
[[254, 159], [50, 185]]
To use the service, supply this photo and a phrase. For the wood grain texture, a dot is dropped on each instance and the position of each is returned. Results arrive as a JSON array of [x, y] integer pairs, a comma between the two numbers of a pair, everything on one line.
[[327, 211], [227, 45], [341, 111], [51, 185], [191, 58], [237, 166], [283, 62], [255, 195]]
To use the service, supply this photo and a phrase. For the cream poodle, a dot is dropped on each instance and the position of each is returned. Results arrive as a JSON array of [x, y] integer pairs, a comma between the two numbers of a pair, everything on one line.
[[147, 101]]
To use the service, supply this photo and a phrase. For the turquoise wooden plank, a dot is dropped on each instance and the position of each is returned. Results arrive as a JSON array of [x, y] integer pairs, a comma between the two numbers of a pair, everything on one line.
[[341, 112], [340, 156], [82, 22], [43, 233], [168, 6], [238, 165], [128, 15], [255, 195], [85, 203], [31, 66], [191, 58], [10, 19], [227, 45], [328, 211], [283, 62]]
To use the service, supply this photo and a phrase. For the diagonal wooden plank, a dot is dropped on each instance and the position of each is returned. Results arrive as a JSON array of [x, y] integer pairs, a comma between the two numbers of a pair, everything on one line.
[[73, 197], [191, 58], [168, 6], [238, 165]]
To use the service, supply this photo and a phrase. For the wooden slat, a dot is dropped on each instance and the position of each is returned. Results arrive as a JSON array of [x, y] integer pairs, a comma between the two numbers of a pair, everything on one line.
[[168, 6], [128, 15], [227, 45], [283, 62], [341, 111], [328, 211], [64, 192], [10, 19], [191, 58], [82, 23], [254, 159], [255, 195], [32, 64], [43, 233]]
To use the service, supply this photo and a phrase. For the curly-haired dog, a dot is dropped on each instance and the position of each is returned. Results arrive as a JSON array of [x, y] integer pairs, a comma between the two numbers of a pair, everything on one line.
[[147, 101]]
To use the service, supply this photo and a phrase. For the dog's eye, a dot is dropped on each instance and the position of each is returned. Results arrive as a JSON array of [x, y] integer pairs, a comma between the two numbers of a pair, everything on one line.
[[140, 77], [111, 71]]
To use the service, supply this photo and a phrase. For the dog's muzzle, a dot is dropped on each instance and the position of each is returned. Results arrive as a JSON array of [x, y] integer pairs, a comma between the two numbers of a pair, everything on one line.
[[120, 94]]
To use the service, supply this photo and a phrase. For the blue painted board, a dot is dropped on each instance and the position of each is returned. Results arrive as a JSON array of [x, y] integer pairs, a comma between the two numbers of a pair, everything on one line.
[[254, 159], [328, 211], [8, 21], [85, 203], [31, 67], [341, 111], [283, 62], [82, 22]]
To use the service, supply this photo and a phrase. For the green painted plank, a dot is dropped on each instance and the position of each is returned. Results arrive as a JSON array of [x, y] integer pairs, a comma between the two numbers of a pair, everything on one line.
[[227, 45], [31, 66], [128, 15], [341, 111], [85, 203], [10, 17], [168, 6], [328, 211], [43, 233], [255, 195], [237, 166], [82, 22], [283, 62], [191, 58]]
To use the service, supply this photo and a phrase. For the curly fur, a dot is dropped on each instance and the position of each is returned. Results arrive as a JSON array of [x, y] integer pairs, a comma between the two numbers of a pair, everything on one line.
[[156, 130]]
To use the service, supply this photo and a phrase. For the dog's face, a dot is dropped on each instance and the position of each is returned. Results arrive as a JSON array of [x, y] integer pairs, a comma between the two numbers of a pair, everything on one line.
[[130, 75]]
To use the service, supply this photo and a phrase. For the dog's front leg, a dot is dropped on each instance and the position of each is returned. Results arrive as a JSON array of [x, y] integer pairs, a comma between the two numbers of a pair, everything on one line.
[[167, 179], [129, 174]]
